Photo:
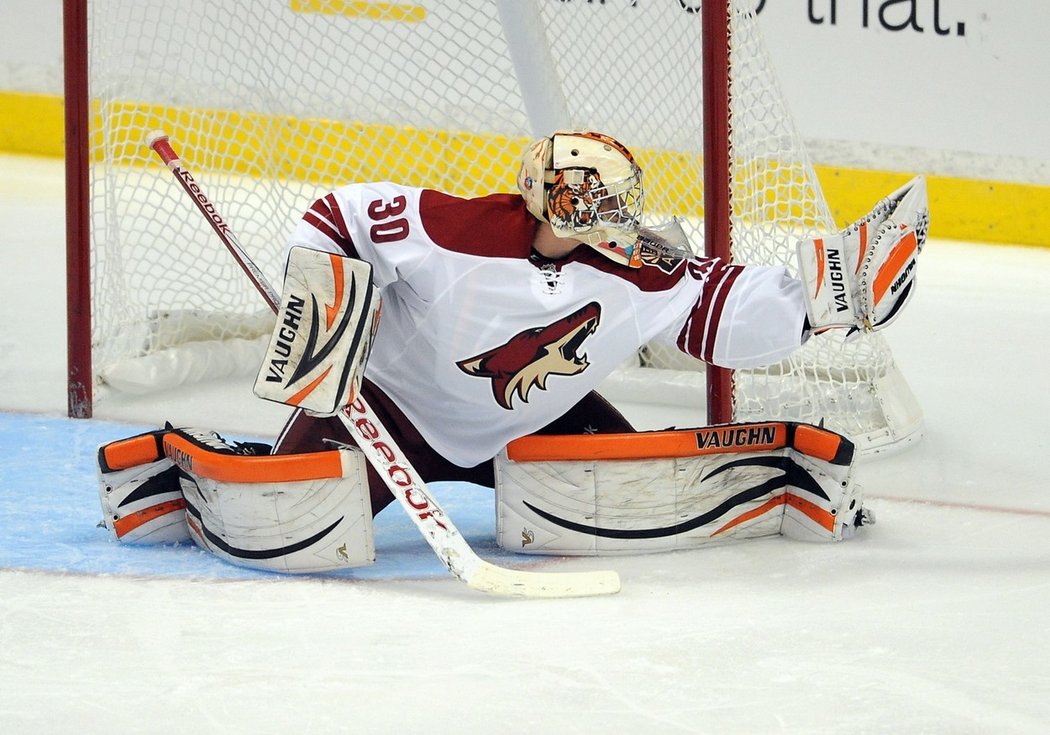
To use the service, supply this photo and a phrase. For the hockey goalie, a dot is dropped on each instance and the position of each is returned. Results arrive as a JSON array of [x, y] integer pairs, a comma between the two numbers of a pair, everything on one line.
[[478, 331]]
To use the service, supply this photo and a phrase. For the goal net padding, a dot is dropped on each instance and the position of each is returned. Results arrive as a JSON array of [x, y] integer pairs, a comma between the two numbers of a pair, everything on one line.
[[275, 105]]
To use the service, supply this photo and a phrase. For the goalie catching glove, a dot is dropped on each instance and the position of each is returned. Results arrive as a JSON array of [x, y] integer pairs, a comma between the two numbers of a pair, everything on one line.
[[328, 316], [862, 277]]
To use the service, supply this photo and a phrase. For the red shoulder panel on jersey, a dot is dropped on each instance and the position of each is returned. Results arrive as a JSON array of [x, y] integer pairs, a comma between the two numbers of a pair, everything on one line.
[[495, 226], [327, 217]]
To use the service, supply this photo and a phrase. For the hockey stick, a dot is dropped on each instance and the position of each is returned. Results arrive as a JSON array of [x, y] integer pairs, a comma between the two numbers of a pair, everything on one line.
[[387, 458]]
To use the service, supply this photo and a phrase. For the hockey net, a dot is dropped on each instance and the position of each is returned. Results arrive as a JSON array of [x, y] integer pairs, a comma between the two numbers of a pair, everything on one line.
[[275, 102]]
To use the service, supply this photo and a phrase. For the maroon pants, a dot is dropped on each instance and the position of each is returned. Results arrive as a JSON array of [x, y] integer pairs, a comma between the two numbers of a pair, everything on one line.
[[305, 433]]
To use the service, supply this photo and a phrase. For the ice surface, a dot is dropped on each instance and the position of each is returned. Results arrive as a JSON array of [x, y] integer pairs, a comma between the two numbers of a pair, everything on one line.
[[933, 621]]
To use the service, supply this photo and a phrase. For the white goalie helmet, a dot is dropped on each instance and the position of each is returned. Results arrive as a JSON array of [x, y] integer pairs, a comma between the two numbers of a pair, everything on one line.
[[588, 187]]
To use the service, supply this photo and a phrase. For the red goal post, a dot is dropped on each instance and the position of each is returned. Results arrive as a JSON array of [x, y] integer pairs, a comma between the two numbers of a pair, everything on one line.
[[436, 93]]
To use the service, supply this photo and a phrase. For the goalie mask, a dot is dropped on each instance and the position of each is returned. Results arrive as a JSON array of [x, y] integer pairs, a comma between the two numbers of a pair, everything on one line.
[[589, 188]]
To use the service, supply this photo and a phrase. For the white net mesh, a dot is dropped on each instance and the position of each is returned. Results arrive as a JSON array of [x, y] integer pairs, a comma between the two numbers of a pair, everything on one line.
[[854, 388], [274, 102]]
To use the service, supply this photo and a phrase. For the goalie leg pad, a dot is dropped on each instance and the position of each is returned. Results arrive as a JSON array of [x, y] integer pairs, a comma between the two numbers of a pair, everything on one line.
[[661, 491], [307, 512], [296, 513], [139, 491]]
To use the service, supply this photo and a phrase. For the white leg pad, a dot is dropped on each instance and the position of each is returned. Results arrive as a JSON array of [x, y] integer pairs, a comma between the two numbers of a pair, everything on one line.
[[138, 488], [297, 513], [297, 527], [695, 488]]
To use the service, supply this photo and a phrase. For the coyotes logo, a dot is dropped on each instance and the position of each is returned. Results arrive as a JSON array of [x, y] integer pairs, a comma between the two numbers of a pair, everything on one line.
[[528, 358]]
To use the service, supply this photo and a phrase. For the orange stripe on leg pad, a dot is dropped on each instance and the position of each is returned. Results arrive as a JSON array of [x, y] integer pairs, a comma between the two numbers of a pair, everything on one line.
[[726, 439], [818, 515], [752, 514], [822, 517], [224, 467], [130, 522]]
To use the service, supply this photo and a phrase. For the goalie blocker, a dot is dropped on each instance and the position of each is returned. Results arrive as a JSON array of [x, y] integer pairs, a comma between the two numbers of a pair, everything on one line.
[[605, 494], [284, 513], [328, 316]]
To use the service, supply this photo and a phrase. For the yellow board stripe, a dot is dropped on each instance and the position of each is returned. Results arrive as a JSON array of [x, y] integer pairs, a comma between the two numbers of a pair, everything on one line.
[[361, 10], [314, 150], [32, 124], [960, 209]]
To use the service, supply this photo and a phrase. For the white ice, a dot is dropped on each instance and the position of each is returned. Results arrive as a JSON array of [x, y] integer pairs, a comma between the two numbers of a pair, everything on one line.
[[933, 621]]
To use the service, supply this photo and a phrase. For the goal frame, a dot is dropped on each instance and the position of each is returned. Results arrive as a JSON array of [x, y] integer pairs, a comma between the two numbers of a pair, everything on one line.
[[79, 375], [80, 396]]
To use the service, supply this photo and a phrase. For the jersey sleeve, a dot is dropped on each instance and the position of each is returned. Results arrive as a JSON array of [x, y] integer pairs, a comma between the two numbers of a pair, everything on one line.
[[377, 222], [737, 316]]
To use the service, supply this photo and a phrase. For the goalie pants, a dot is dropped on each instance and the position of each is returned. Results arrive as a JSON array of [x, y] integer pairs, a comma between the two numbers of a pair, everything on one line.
[[305, 433]]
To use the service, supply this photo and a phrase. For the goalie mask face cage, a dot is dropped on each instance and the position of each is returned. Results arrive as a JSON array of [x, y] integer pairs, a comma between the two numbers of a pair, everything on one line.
[[589, 188]]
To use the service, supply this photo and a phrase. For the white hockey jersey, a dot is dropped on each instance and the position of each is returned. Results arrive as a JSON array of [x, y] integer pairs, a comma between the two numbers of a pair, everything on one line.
[[482, 340]]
